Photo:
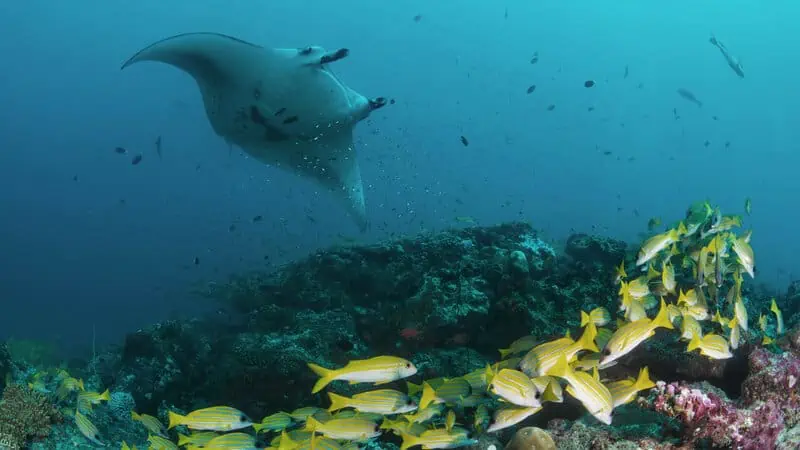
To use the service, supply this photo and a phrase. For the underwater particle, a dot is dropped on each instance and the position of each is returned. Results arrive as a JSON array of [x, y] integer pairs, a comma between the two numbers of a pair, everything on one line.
[[588, 83], [120, 150], [535, 58], [196, 261], [689, 96], [531, 88], [464, 141], [551, 107], [232, 228], [706, 143], [136, 159], [74, 178], [158, 147], [590, 109], [257, 218], [392, 101], [418, 17]]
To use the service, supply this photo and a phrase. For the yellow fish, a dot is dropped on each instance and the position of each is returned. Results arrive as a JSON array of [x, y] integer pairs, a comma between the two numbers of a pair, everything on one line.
[[624, 391], [274, 422], [215, 418], [740, 312], [515, 387], [600, 316], [668, 277], [748, 206], [778, 317], [630, 335], [425, 414], [352, 429], [711, 345], [620, 273], [378, 370], [196, 439], [231, 441], [450, 392], [87, 428], [381, 401], [152, 424], [655, 244], [588, 389], [521, 345], [508, 416], [690, 328], [745, 255], [438, 438], [542, 357], [160, 443]]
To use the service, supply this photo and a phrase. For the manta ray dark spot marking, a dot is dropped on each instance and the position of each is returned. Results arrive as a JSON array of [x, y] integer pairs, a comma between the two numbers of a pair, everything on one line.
[[305, 51], [280, 111], [289, 120]]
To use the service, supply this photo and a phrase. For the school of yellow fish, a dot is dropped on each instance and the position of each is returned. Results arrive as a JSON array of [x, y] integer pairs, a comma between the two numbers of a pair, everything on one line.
[[687, 277]]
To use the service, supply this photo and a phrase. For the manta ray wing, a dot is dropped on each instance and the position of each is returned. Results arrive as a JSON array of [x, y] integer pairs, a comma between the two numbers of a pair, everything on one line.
[[282, 106]]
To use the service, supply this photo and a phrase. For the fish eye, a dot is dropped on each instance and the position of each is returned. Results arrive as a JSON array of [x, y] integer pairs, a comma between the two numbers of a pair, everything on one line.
[[408, 365], [306, 51], [243, 418], [377, 427], [606, 351], [537, 395], [410, 402]]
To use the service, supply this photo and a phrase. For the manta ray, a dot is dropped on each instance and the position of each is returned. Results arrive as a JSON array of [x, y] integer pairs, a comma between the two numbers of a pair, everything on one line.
[[283, 106]]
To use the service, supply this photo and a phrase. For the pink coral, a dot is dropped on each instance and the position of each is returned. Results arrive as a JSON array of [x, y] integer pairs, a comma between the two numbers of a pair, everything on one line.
[[707, 416]]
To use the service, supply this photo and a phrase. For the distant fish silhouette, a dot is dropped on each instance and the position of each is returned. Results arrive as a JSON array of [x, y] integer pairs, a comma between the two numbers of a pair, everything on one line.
[[687, 95]]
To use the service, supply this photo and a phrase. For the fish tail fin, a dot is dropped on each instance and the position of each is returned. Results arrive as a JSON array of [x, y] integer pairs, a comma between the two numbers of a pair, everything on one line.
[[312, 424], [586, 341], [184, 440], [326, 376], [408, 441], [427, 395], [662, 318], [135, 415], [337, 402], [694, 343], [175, 419], [585, 318], [105, 396], [643, 381], [256, 426], [504, 352], [560, 369]]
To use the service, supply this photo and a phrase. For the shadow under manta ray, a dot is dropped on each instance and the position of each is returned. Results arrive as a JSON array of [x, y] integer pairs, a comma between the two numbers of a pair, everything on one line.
[[282, 106]]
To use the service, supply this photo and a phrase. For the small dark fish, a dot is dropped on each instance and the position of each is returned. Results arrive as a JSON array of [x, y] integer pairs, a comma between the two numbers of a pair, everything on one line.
[[257, 219], [464, 141], [280, 111], [505, 16], [418, 17], [706, 143], [590, 109], [196, 261], [689, 96], [158, 147], [391, 101], [232, 228], [714, 118], [588, 83], [120, 150], [551, 107], [531, 88], [636, 212], [136, 159], [607, 152], [535, 58], [727, 144], [626, 72], [75, 178], [289, 120]]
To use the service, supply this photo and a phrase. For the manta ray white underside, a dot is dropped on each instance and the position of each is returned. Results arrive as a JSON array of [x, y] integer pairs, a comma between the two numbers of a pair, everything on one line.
[[283, 106]]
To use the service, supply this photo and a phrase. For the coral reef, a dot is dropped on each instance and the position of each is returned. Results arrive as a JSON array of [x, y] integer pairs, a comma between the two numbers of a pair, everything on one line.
[[25, 415]]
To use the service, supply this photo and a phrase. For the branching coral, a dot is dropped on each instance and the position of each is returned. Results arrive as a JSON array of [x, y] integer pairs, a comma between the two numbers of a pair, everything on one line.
[[25, 415]]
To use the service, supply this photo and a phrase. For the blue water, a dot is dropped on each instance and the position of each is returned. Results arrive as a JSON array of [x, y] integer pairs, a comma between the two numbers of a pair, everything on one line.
[[74, 256]]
